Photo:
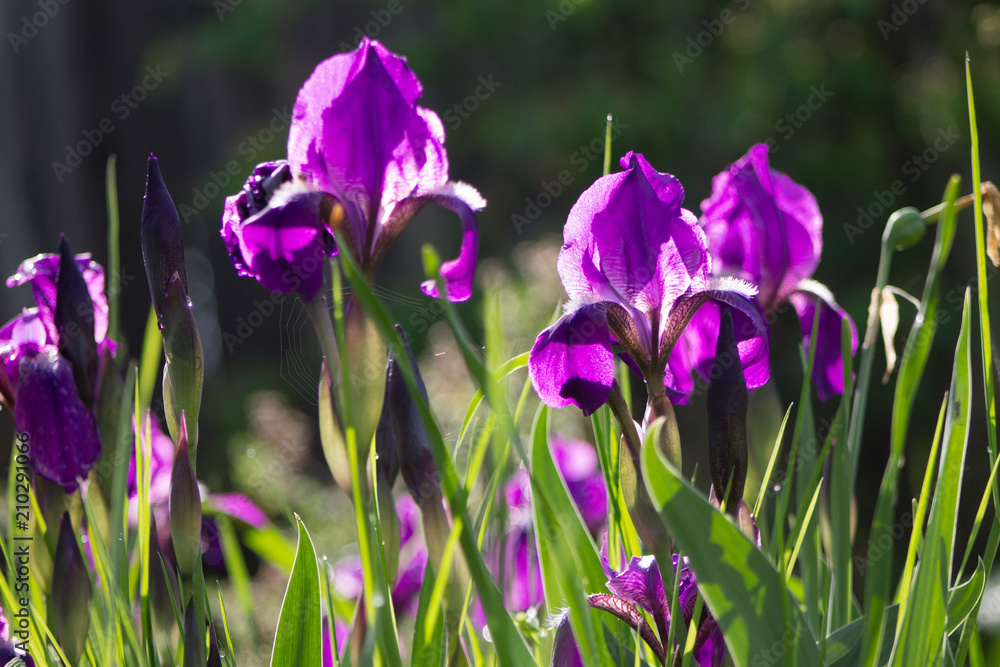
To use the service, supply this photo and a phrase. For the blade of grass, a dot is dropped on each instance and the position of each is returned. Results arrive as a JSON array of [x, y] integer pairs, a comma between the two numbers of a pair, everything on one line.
[[911, 368]]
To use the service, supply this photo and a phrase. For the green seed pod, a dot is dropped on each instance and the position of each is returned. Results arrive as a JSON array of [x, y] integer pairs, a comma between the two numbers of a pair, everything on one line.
[[905, 228]]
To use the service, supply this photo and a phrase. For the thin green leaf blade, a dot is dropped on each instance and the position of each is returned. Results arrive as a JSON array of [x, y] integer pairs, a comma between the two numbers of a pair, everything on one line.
[[742, 588], [298, 639]]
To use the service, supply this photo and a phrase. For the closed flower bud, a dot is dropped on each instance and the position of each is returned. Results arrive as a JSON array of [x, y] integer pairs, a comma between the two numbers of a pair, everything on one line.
[[727, 419], [365, 358], [194, 638], [69, 614], [74, 320], [331, 434], [905, 228], [404, 437], [184, 372], [185, 506], [162, 246]]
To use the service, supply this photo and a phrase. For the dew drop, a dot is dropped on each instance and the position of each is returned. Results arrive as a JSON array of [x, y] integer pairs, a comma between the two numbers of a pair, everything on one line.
[[776, 488]]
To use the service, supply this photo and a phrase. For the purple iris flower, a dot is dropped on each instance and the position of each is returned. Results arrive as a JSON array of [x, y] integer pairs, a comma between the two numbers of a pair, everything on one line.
[[636, 267], [39, 384], [765, 228], [347, 575], [578, 464], [7, 648], [362, 158], [639, 586]]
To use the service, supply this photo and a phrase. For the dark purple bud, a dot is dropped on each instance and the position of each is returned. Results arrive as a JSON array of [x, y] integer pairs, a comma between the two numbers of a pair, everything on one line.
[[74, 321], [163, 582], [71, 594], [185, 506], [162, 245], [214, 659], [405, 434], [727, 419], [194, 637]]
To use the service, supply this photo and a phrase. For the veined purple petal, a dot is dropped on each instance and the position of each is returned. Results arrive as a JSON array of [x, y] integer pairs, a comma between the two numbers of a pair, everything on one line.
[[572, 363], [25, 334], [762, 226], [62, 433], [640, 584], [696, 347], [828, 366], [357, 134], [628, 240], [42, 271]]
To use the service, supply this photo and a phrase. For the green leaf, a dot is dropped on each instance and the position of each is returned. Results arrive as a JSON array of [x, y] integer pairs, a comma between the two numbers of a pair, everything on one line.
[[298, 639], [745, 593], [427, 651], [911, 369], [921, 639], [964, 598], [564, 544]]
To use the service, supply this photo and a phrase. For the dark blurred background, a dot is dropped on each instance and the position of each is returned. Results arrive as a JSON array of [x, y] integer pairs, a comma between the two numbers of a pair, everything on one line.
[[852, 96]]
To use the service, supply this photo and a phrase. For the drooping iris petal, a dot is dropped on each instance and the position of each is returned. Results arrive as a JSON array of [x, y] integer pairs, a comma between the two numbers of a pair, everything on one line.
[[701, 334], [42, 271], [565, 652], [762, 226], [828, 366], [25, 334], [62, 433], [458, 274], [238, 506], [357, 134], [285, 245], [571, 362]]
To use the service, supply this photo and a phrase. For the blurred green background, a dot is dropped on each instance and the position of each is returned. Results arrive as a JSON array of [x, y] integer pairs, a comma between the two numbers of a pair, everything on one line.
[[852, 96]]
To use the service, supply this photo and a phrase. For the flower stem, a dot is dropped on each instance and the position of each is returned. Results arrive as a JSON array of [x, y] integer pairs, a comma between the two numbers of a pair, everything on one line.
[[320, 316]]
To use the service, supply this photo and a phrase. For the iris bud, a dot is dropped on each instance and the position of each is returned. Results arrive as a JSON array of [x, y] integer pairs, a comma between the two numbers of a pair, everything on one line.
[[404, 438], [185, 506], [194, 639], [727, 419], [162, 245], [905, 228], [365, 357], [71, 594], [74, 320], [184, 371], [331, 434]]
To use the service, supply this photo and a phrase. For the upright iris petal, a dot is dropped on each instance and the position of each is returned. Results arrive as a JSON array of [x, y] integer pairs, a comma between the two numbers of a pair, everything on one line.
[[764, 227], [636, 267], [363, 158]]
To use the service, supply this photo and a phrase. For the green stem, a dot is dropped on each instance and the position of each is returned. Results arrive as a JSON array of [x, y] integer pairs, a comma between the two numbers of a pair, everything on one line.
[[865, 368], [320, 316]]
